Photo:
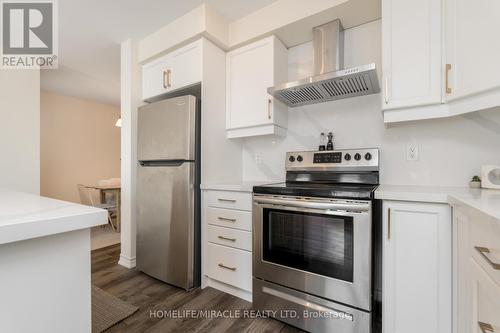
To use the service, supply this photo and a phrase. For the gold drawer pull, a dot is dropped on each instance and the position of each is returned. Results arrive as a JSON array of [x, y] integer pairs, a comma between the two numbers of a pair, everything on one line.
[[486, 328], [227, 267], [482, 251], [228, 239], [226, 219], [226, 200]]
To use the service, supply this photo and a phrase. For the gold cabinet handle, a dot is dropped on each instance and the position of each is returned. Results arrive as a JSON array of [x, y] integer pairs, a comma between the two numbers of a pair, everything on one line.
[[486, 328], [448, 68], [169, 78], [226, 200], [227, 239], [165, 80], [269, 101], [483, 251], [227, 267], [226, 219], [386, 90], [388, 223]]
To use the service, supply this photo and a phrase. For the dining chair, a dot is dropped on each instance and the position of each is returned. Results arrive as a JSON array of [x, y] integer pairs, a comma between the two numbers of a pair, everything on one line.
[[86, 199]]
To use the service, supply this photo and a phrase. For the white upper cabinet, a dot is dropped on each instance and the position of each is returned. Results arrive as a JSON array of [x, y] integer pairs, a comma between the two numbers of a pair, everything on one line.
[[411, 53], [417, 265], [154, 78], [250, 70], [178, 69], [472, 46], [186, 65], [440, 58]]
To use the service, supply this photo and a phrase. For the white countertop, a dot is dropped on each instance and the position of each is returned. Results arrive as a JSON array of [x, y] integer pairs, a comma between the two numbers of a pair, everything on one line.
[[483, 200], [24, 216], [246, 186]]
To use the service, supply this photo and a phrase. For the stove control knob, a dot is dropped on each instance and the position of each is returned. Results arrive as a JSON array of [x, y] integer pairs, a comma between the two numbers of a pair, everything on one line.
[[347, 157], [299, 158], [357, 157], [368, 156], [291, 159]]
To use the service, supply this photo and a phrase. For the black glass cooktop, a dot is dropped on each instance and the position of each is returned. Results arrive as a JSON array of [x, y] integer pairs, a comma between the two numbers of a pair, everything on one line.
[[346, 191]]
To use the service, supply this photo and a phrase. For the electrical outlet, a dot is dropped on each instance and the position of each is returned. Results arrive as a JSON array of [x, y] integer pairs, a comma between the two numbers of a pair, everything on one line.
[[412, 152]]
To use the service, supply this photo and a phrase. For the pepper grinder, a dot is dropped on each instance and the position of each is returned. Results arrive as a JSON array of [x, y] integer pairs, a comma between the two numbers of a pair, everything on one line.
[[322, 142], [329, 145]]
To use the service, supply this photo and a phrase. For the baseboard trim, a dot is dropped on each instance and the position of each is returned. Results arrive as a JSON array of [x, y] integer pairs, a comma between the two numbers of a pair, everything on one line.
[[126, 261], [243, 294]]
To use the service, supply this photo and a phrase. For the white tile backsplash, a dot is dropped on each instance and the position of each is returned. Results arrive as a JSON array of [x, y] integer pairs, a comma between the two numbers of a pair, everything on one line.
[[450, 150]]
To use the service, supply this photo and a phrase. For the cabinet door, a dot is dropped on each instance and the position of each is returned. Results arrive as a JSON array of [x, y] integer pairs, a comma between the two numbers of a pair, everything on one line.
[[472, 46], [155, 77], [485, 305], [411, 53], [186, 65], [250, 71], [416, 268]]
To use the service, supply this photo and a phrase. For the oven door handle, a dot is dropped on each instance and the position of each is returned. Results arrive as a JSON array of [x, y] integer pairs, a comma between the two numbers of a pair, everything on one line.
[[358, 207]]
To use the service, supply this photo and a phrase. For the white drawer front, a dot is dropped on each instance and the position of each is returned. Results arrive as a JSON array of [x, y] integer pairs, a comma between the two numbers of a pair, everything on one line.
[[230, 237], [484, 242], [486, 302], [229, 199], [231, 266], [230, 218]]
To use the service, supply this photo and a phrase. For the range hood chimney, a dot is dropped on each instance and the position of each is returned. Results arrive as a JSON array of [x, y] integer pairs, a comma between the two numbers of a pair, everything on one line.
[[330, 81]]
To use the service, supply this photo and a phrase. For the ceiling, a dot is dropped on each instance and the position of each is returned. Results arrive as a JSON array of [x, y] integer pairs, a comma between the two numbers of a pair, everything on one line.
[[90, 32]]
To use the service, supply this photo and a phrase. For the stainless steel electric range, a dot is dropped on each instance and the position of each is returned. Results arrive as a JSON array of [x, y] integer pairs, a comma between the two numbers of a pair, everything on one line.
[[317, 243]]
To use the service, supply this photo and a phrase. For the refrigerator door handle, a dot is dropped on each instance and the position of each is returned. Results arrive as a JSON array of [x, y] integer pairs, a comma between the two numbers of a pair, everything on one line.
[[163, 163]]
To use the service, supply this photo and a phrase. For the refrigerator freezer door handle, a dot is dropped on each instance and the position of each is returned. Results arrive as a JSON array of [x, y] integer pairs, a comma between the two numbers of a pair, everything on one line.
[[165, 163]]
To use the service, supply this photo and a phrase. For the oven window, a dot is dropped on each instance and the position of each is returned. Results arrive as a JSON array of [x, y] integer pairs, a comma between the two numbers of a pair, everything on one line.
[[316, 243]]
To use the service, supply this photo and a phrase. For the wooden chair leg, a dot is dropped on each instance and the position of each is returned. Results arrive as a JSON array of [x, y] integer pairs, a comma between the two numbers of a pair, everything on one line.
[[111, 222]]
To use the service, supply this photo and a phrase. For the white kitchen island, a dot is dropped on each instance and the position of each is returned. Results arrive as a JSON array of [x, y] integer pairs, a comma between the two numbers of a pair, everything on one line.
[[45, 264]]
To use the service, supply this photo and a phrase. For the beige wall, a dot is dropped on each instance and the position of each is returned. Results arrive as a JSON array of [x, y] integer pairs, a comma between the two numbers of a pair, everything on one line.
[[79, 144], [20, 130]]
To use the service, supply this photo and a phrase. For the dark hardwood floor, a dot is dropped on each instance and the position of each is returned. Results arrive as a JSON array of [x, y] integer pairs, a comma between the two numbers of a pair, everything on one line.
[[151, 295]]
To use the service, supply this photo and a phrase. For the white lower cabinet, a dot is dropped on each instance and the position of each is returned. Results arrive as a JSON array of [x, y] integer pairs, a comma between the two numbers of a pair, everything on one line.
[[485, 301], [417, 266], [477, 272], [227, 242], [231, 266]]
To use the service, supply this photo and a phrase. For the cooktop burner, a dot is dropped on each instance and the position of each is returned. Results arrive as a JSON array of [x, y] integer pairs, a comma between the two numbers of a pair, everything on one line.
[[345, 191], [349, 174]]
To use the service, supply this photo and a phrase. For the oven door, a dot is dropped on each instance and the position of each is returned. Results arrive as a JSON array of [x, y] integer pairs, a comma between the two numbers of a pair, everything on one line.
[[314, 245]]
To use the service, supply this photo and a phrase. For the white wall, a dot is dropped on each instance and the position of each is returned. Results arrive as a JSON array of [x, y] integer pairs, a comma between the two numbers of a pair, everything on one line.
[[20, 130], [131, 80], [77, 135], [451, 150]]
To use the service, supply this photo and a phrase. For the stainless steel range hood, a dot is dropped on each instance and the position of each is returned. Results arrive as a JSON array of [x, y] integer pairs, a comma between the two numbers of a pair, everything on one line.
[[330, 81]]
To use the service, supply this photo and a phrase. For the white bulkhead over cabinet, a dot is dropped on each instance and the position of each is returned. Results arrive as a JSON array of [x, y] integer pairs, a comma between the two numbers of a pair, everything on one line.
[[250, 70]]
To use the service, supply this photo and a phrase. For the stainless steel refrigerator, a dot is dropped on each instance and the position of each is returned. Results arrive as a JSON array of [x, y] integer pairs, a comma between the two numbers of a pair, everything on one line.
[[168, 195]]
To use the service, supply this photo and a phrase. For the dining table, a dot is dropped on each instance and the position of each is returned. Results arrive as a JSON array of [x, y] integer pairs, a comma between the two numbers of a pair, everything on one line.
[[110, 188]]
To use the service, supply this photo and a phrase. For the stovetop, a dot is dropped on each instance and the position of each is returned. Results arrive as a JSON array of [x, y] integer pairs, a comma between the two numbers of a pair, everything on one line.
[[344, 191], [348, 173]]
